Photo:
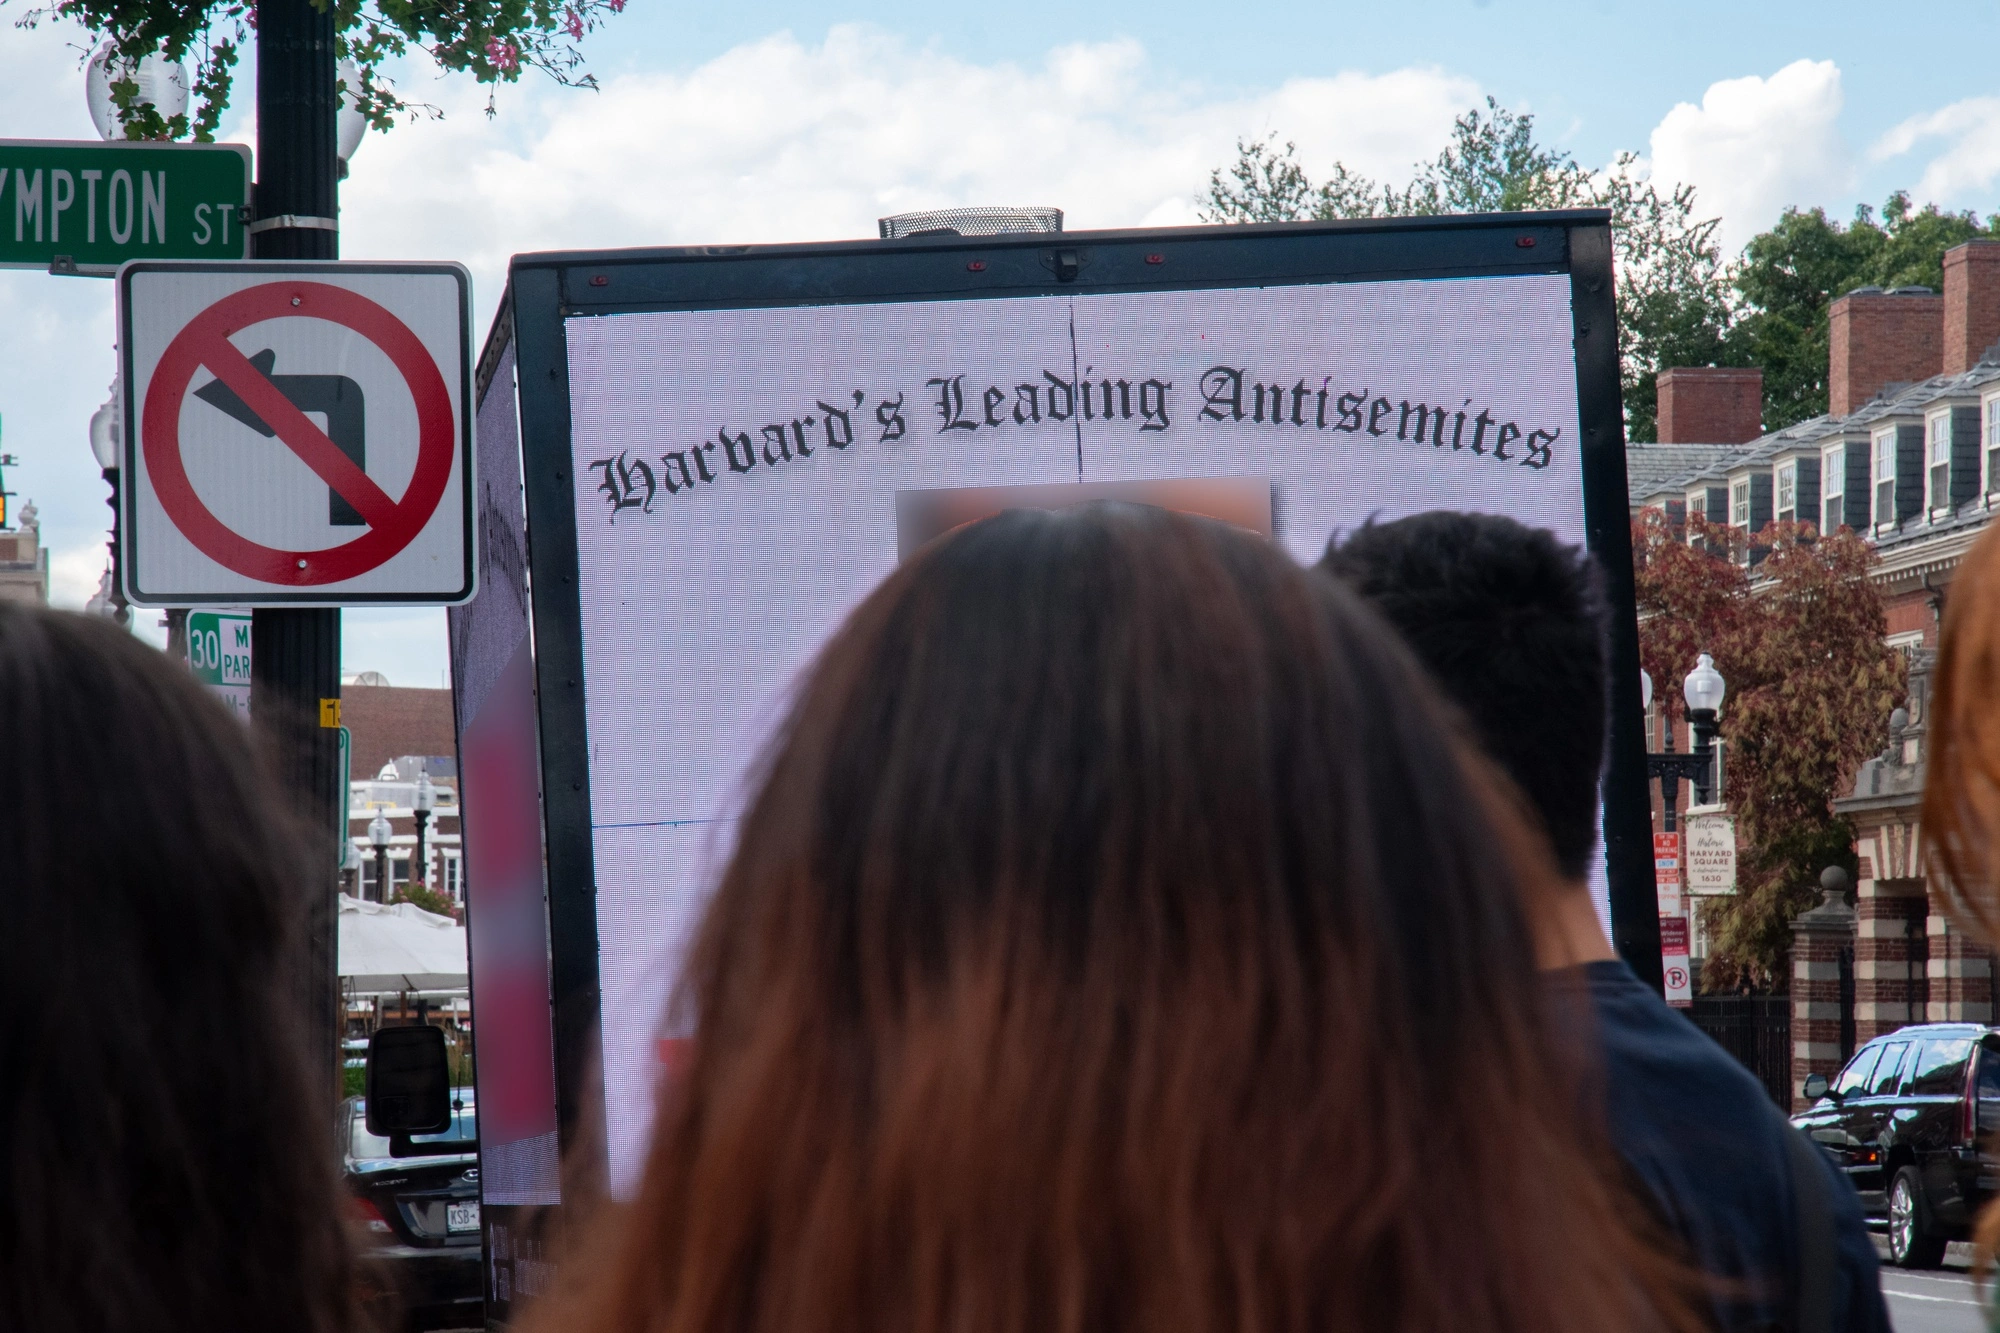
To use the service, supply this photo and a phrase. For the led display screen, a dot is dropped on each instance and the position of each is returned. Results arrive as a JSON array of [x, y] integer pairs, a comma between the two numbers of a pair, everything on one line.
[[741, 476]]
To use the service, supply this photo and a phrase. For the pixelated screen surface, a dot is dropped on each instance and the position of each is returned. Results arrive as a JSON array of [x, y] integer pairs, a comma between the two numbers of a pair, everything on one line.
[[746, 476]]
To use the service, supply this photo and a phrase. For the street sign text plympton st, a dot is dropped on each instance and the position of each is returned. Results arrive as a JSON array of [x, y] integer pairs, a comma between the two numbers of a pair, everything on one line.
[[219, 655], [296, 433], [89, 207]]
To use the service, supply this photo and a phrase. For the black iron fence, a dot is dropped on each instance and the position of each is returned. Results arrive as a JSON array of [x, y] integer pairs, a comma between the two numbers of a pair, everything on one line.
[[1757, 1030]]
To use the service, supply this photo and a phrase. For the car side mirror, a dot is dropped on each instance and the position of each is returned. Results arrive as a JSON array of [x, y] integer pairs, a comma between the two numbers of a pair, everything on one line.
[[408, 1085], [1816, 1087]]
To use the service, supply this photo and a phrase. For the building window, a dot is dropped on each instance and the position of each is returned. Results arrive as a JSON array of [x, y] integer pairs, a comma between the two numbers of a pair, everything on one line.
[[1993, 446], [1788, 492], [1940, 465], [1739, 503], [1885, 478], [1833, 487], [454, 887]]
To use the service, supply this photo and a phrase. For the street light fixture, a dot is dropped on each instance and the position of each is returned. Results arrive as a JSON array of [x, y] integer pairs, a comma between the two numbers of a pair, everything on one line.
[[107, 428], [1704, 689], [350, 126], [426, 802], [162, 85], [378, 838]]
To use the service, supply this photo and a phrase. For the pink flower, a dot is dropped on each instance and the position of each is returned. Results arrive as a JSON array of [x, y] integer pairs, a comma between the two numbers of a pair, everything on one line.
[[505, 55], [573, 23], [618, 6]]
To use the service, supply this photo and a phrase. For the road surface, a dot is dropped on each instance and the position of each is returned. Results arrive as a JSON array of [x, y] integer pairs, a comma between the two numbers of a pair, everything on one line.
[[1940, 1301]]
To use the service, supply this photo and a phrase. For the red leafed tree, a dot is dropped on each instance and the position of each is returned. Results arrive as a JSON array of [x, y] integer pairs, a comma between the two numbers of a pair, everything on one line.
[[1799, 639]]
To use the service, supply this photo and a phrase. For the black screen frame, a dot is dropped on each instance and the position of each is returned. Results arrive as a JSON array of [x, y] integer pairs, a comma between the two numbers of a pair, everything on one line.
[[548, 289]]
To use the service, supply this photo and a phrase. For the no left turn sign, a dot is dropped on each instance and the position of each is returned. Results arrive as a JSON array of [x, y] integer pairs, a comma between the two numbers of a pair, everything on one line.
[[296, 433]]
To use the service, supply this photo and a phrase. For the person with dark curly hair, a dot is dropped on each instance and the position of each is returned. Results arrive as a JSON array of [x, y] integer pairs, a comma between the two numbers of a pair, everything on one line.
[[1510, 621]]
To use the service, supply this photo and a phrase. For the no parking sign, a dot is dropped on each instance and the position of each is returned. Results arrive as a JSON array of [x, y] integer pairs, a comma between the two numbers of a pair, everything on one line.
[[296, 433]]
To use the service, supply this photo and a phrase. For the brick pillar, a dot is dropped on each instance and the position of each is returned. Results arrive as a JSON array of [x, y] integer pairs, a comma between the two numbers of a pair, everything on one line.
[[1819, 939], [1961, 976], [1889, 968]]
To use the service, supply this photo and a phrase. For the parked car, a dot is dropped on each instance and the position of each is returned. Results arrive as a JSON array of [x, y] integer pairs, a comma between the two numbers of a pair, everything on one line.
[[1904, 1119], [423, 1215]]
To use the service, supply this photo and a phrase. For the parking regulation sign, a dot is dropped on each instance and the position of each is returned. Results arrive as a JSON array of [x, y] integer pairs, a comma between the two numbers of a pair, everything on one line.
[[296, 433]]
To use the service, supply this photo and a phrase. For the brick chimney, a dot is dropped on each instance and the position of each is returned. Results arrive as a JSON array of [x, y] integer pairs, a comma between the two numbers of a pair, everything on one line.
[[1879, 338], [1711, 405], [1971, 303]]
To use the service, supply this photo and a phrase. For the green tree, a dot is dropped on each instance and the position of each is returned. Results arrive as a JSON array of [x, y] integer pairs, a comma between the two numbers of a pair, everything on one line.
[[1673, 289], [493, 40], [1790, 274], [1811, 685]]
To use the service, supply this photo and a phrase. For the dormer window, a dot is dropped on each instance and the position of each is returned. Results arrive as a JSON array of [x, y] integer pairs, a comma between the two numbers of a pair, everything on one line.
[[1992, 446], [1833, 485], [1739, 503], [1788, 491], [1885, 478], [1938, 471]]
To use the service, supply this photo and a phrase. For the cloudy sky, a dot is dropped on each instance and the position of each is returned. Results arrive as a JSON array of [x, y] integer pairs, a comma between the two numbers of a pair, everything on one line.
[[780, 122]]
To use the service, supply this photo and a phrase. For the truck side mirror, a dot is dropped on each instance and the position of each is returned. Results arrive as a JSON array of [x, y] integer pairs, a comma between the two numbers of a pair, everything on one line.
[[408, 1084], [1815, 1086]]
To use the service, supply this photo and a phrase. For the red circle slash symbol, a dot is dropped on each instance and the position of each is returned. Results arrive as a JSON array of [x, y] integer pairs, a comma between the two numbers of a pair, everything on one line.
[[392, 524]]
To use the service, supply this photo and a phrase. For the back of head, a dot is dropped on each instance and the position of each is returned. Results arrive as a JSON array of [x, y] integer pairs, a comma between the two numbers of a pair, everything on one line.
[[1116, 941], [1510, 622], [164, 1166]]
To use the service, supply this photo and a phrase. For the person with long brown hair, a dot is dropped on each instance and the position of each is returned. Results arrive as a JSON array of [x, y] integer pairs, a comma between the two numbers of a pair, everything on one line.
[[164, 1164], [1120, 937]]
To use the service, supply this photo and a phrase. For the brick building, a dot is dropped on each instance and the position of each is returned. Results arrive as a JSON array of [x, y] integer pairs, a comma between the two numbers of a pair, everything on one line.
[[1909, 457], [398, 734]]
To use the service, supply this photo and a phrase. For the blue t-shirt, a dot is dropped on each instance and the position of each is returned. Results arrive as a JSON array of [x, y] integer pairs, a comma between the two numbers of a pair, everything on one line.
[[1704, 1139]]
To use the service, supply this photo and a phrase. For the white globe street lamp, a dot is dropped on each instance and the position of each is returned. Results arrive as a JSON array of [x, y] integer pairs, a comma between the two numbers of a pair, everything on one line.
[[350, 126], [378, 838], [162, 85], [1704, 689]]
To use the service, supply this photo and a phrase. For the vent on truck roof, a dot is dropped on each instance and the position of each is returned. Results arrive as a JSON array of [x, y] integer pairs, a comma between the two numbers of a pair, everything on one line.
[[970, 222]]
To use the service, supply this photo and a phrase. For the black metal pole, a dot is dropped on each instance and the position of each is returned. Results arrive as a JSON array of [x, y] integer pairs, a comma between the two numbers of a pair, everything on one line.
[[420, 870], [382, 873], [1701, 721], [295, 654]]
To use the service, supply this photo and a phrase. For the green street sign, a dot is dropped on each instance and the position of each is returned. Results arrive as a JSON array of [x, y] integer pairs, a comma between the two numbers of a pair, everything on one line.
[[219, 655], [89, 207]]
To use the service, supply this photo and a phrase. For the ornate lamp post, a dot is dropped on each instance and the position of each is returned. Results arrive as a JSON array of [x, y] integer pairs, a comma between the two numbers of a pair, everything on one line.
[[378, 838], [426, 802], [1703, 689], [106, 432]]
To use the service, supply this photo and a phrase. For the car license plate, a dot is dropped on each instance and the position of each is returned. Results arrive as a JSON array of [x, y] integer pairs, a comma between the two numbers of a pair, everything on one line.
[[461, 1217]]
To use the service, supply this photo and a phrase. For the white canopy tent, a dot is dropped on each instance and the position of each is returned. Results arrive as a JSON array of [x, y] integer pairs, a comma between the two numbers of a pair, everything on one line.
[[393, 948]]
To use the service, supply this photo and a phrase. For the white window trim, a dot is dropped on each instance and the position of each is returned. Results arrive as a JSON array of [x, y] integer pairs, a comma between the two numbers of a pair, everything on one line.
[[1989, 412], [1786, 479], [1879, 458], [1937, 431]]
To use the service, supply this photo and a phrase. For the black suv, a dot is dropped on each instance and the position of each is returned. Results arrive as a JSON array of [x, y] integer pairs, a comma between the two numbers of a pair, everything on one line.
[[1904, 1118]]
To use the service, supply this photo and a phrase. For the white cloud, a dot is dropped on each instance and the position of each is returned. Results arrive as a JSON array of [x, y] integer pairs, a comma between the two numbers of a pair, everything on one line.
[[778, 140], [774, 140], [1756, 146], [1970, 161], [74, 573]]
